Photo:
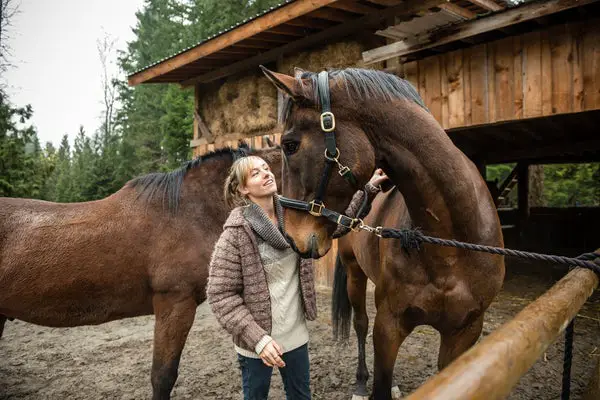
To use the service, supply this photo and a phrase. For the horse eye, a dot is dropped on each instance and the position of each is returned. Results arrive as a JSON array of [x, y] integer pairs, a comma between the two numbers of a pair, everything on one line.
[[290, 148]]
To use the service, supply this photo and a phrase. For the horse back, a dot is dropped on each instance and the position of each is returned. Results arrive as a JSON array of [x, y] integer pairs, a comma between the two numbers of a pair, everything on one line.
[[73, 264]]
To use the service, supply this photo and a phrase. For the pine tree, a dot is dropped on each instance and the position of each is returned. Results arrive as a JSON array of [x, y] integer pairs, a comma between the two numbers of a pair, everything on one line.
[[62, 173]]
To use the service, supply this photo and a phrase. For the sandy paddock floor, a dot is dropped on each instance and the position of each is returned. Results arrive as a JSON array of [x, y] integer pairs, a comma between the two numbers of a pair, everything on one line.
[[112, 361]]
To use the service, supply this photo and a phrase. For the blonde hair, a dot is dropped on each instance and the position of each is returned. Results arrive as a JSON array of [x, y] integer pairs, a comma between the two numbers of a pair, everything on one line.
[[237, 177]]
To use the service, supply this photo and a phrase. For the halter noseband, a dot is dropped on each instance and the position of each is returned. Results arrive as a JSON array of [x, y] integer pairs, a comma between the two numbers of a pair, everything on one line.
[[316, 206]]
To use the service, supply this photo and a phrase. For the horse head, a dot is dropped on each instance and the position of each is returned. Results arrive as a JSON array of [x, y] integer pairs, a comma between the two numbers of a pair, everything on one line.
[[305, 158]]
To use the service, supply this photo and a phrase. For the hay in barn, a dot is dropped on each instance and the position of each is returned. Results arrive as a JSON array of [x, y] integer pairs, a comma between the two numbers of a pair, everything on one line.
[[336, 55], [243, 104]]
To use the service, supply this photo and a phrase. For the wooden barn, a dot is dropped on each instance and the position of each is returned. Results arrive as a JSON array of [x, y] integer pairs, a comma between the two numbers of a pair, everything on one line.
[[510, 81]]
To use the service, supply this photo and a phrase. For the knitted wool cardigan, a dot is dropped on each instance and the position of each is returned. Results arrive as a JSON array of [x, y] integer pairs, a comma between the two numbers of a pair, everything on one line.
[[237, 289]]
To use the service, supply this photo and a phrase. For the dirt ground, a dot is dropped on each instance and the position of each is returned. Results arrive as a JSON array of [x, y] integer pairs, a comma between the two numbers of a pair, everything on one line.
[[112, 361]]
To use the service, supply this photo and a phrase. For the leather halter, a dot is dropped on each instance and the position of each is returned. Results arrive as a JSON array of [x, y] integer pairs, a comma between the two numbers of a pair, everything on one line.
[[316, 206]]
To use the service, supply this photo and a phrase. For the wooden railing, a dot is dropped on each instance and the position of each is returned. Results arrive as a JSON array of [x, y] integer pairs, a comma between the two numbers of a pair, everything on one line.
[[491, 368]]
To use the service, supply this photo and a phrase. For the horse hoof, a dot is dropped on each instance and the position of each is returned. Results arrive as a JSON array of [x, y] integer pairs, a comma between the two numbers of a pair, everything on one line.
[[396, 393]]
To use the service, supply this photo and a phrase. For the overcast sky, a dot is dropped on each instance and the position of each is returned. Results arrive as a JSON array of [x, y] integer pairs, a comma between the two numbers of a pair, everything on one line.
[[57, 68]]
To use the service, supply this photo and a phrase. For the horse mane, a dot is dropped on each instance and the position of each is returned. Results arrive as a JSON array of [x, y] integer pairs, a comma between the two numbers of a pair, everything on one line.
[[167, 185], [359, 83]]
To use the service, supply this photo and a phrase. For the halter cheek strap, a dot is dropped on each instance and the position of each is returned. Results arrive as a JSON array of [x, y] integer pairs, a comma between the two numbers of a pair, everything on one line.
[[316, 206]]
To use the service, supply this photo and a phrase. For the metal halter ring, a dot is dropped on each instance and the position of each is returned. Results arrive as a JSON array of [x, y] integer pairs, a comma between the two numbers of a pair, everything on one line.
[[327, 114], [319, 207], [335, 157]]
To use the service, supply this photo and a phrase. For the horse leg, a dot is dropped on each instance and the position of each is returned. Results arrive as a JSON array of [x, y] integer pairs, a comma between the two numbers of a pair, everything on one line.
[[357, 293], [174, 318], [388, 335], [454, 343], [2, 321]]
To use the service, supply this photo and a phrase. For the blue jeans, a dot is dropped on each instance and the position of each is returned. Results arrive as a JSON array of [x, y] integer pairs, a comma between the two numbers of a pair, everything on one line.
[[256, 376]]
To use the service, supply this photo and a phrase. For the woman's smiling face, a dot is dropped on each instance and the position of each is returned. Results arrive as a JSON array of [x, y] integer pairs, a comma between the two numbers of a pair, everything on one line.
[[260, 181]]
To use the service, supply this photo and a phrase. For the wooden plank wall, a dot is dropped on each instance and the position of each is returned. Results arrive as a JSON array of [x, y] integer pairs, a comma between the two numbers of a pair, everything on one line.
[[256, 142], [536, 74]]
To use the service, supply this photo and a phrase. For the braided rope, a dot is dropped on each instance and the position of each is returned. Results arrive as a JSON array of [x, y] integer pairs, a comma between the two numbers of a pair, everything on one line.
[[412, 238]]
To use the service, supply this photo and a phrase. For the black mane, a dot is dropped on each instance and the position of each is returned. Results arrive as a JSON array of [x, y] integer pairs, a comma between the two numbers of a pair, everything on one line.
[[167, 185], [359, 83]]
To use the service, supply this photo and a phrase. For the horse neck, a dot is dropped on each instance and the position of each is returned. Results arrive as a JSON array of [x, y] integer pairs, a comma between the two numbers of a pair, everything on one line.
[[204, 185], [440, 185]]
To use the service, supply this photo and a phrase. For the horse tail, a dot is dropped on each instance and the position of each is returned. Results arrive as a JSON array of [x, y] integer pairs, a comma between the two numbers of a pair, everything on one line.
[[341, 309], [2, 321]]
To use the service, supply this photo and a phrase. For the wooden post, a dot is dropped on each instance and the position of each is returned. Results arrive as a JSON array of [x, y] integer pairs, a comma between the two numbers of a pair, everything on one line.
[[481, 167], [523, 201], [490, 369]]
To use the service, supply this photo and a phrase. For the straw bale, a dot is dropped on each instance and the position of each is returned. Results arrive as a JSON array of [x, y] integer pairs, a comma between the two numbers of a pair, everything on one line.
[[246, 104], [242, 104], [342, 54]]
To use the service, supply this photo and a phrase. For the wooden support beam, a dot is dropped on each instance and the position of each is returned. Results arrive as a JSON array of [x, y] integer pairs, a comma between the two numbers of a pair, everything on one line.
[[260, 24], [253, 44], [201, 131], [487, 4], [387, 3], [352, 6], [523, 13], [272, 37], [523, 193], [288, 30], [407, 7], [330, 14], [457, 10], [231, 50], [481, 167], [491, 368], [312, 23], [555, 150]]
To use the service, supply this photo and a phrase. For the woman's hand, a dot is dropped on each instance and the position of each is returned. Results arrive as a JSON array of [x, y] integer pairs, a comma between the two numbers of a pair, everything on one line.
[[271, 355], [378, 177]]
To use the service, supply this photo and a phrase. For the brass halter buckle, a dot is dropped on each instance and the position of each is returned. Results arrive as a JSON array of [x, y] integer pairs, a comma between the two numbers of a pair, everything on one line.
[[342, 169], [350, 223], [318, 206], [323, 116]]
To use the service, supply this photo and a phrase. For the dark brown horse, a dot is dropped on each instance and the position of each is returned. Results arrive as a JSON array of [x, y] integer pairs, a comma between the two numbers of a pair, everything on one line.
[[143, 250], [382, 122]]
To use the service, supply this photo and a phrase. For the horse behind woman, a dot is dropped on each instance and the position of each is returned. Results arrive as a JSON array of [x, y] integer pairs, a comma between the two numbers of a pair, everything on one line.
[[143, 250]]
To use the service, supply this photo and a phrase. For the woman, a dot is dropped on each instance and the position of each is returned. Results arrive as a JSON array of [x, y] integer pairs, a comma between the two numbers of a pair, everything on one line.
[[260, 291]]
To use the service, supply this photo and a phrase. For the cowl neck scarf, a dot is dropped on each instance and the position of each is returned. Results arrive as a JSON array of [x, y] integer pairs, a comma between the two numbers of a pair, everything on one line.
[[264, 227]]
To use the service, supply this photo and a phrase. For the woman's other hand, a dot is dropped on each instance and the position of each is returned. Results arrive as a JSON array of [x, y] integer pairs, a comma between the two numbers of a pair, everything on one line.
[[378, 177], [271, 355]]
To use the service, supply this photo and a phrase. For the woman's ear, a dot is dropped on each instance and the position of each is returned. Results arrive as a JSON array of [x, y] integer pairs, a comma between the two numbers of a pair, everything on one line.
[[243, 191]]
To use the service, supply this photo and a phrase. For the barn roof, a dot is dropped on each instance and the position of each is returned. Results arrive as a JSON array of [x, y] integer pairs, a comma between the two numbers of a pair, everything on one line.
[[294, 25]]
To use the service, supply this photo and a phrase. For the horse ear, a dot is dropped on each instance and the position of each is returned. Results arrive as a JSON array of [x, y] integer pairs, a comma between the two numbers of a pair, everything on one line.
[[269, 142], [242, 144], [298, 72], [285, 83]]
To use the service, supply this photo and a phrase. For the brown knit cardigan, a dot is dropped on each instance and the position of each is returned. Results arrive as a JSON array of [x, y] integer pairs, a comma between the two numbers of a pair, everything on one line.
[[237, 289]]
